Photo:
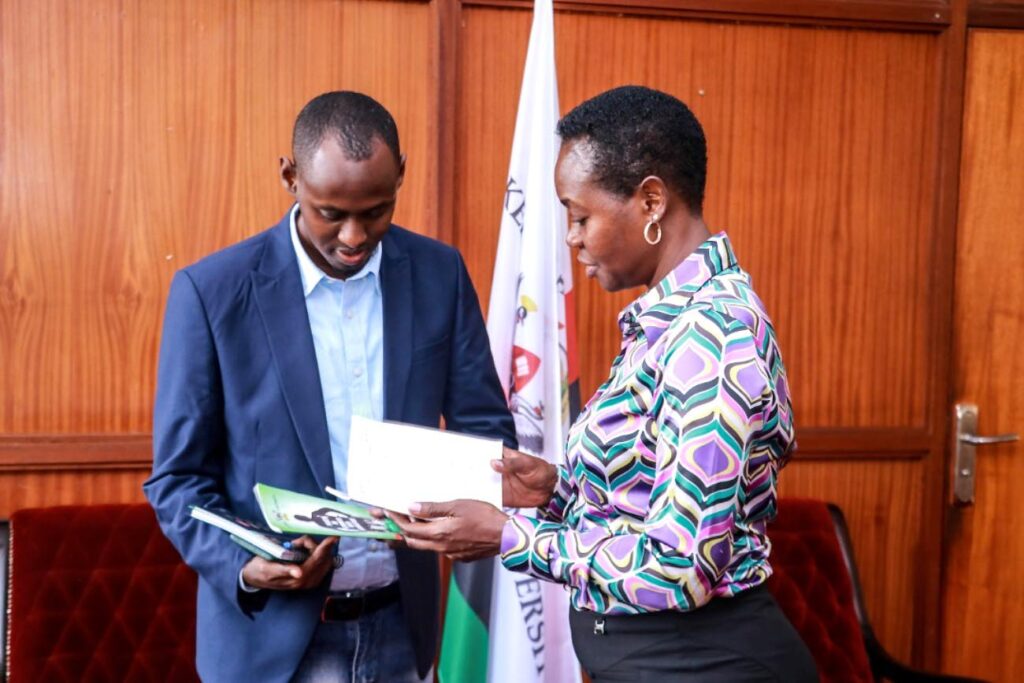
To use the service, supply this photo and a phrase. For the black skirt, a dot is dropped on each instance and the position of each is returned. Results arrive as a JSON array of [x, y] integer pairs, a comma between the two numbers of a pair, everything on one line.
[[729, 640]]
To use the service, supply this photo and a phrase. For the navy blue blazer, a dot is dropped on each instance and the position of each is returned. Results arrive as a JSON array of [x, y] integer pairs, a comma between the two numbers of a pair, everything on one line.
[[238, 400]]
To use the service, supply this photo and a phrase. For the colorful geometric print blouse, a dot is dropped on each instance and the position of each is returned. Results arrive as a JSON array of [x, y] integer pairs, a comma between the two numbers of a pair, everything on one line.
[[670, 471]]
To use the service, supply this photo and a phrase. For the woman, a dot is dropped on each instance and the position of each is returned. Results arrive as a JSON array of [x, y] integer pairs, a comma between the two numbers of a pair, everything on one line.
[[656, 518]]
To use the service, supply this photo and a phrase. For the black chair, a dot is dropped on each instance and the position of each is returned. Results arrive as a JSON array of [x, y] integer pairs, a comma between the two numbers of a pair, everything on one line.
[[817, 585]]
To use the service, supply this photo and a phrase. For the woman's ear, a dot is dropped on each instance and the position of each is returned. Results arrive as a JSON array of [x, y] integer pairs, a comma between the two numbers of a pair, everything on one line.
[[654, 195]]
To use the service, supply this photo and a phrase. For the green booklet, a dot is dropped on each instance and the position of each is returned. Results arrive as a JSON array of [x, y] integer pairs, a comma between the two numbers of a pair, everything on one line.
[[296, 513]]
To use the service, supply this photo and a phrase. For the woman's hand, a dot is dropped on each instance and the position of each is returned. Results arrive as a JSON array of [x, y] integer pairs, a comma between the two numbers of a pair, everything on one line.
[[283, 576], [461, 529], [393, 543], [526, 481]]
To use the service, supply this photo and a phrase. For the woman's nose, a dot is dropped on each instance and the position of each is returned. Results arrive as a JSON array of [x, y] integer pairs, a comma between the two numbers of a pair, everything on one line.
[[574, 237]]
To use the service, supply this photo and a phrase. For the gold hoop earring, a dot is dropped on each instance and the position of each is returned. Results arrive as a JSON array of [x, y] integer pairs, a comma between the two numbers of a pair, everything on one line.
[[657, 237]]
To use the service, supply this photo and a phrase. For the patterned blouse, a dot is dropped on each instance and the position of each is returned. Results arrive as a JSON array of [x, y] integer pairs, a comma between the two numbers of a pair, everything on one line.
[[670, 471]]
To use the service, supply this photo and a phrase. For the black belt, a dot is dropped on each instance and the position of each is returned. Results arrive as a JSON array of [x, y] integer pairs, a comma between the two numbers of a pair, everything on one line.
[[354, 604]]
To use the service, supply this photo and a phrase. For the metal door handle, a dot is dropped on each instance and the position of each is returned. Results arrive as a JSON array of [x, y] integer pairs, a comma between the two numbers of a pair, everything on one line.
[[965, 419], [985, 440]]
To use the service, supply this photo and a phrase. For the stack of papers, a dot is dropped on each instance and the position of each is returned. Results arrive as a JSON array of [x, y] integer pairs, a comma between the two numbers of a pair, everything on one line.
[[393, 465]]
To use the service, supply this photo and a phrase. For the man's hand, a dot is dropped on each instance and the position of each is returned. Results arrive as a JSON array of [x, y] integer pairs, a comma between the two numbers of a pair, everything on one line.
[[461, 529], [526, 481], [282, 576]]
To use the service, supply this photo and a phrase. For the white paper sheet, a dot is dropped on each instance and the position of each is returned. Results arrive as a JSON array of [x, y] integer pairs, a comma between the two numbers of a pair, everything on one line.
[[392, 465]]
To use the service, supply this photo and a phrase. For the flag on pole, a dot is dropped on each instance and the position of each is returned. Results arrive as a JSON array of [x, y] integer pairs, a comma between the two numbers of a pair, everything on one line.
[[502, 626]]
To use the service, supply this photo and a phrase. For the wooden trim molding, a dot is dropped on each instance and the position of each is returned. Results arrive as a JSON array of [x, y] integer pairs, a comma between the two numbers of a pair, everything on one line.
[[446, 18], [995, 14], [41, 452], [34, 452], [949, 106], [830, 443], [908, 15]]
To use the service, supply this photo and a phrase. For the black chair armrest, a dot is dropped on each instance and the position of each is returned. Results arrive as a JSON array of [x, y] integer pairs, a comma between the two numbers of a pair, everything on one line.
[[883, 665], [887, 668]]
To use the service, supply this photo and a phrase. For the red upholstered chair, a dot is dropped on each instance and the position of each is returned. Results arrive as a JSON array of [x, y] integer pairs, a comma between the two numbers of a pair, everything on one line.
[[97, 594], [816, 583]]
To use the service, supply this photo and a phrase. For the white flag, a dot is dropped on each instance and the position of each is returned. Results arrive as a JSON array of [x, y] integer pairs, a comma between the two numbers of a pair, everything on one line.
[[531, 339]]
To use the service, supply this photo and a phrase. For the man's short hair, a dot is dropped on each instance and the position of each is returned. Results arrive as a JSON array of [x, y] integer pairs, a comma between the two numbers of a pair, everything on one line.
[[355, 120], [633, 132]]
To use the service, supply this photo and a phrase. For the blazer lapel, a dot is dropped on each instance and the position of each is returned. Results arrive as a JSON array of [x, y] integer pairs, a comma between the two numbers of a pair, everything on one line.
[[396, 289], [278, 292]]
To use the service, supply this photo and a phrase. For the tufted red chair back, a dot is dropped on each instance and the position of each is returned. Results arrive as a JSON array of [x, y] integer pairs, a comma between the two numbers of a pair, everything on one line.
[[98, 594], [812, 585]]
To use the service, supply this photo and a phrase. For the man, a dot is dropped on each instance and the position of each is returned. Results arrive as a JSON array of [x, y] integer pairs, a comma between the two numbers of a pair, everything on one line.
[[270, 347]]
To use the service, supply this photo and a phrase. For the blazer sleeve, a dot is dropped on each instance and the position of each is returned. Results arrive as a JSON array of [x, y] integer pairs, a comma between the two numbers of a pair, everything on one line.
[[474, 400], [189, 448]]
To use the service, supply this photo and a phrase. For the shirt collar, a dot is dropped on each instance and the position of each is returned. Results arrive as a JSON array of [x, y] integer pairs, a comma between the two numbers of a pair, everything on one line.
[[713, 257], [311, 273]]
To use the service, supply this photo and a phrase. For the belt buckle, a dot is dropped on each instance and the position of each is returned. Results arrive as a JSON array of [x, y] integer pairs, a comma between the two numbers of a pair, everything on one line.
[[349, 605]]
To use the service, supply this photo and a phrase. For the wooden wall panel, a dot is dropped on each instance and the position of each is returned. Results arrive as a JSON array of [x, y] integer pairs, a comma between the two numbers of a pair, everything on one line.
[[907, 15], [42, 489], [822, 162], [996, 13], [139, 136], [882, 501]]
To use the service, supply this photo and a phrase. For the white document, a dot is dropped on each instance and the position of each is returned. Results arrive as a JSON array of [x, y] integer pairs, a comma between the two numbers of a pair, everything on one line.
[[393, 465]]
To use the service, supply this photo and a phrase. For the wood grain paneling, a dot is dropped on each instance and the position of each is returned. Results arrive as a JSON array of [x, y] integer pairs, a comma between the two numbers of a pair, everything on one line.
[[43, 489], [822, 168], [985, 547], [948, 111], [75, 452], [919, 15], [139, 136], [882, 502], [446, 15], [996, 13]]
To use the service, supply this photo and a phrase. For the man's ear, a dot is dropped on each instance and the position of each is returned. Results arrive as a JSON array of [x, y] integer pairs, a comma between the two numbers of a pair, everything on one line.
[[401, 172], [289, 175]]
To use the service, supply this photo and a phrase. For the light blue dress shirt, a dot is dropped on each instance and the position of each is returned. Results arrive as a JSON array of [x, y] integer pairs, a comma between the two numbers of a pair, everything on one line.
[[347, 321]]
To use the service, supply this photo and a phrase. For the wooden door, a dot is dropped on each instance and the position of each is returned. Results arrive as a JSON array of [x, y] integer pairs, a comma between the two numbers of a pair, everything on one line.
[[983, 624]]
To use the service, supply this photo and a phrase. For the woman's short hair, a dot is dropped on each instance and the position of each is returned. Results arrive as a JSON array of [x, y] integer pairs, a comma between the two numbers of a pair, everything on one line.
[[633, 132]]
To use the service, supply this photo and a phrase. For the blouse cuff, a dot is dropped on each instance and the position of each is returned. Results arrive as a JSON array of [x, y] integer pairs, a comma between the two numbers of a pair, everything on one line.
[[528, 546], [515, 535], [554, 511]]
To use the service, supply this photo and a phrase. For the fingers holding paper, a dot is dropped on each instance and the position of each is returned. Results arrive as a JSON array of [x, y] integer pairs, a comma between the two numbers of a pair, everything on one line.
[[393, 543], [461, 529], [526, 481]]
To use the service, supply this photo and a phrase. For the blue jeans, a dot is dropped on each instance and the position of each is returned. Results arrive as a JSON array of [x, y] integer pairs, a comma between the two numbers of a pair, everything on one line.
[[374, 648]]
